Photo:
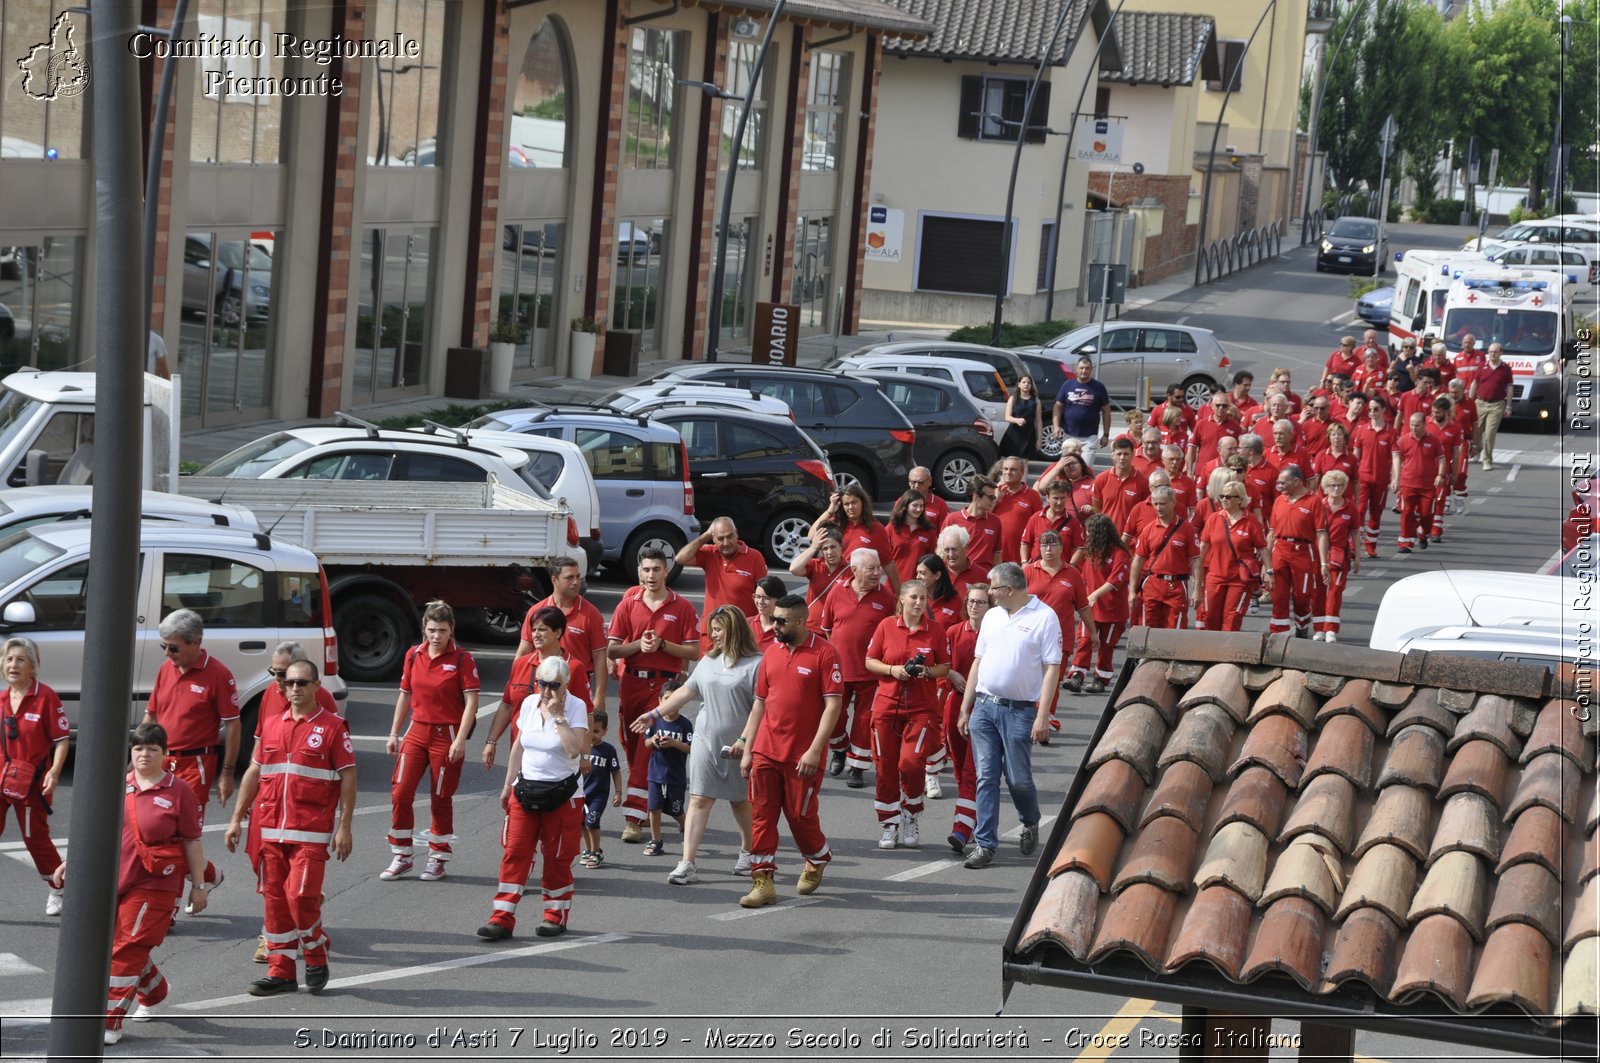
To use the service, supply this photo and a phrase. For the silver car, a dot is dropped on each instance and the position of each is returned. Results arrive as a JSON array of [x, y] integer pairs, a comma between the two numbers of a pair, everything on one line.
[[1154, 350]]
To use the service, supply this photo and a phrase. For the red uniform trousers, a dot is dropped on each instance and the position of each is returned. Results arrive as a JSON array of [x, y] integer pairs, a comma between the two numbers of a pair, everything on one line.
[[1099, 653], [1166, 602], [855, 737], [777, 787], [143, 917], [1330, 599], [1373, 500], [636, 696], [558, 834], [1226, 603], [291, 893], [1296, 584], [900, 747], [1416, 515], [35, 824], [965, 771], [199, 770], [425, 749]]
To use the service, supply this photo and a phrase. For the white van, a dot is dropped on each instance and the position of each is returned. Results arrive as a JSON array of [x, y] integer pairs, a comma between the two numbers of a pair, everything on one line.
[[1422, 280], [1523, 311], [1509, 616]]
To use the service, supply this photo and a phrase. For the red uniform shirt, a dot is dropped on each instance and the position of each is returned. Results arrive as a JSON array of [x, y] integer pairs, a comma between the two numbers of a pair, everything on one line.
[[793, 684], [871, 536], [1298, 520], [300, 765], [1063, 591], [1296, 456], [983, 536], [1466, 421], [907, 546], [1346, 463], [1243, 537], [1142, 514], [1448, 434], [1014, 509], [731, 580], [1116, 496], [40, 724], [1175, 435], [819, 576], [586, 631], [848, 620], [1314, 435], [1083, 496], [1144, 466], [1342, 525], [1190, 417], [1181, 548], [1446, 370], [1419, 460], [1262, 425], [895, 643], [1068, 526], [166, 812], [948, 611], [192, 706], [936, 510], [1112, 606], [438, 685], [1342, 362], [1494, 382], [1187, 493], [1368, 381], [764, 636], [1206, 434], [519, 684], [674, 620], [1261, 482], [1412, 402], [1469, 368], [1382, 353], [1373, 449], [963, 648]]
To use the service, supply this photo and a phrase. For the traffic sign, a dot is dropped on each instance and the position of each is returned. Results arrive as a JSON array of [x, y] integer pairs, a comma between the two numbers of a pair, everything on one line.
[[1386, 136]]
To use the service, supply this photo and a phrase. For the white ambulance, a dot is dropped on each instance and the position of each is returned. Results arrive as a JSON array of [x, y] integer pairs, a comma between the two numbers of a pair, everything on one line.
[[1523, 311], [1422, 280]]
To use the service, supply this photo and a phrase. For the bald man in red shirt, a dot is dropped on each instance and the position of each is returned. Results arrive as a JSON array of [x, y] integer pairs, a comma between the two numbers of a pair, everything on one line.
[[1418, 470], [847, 615], [1015, 505], [1165, 575], [1297, 540]]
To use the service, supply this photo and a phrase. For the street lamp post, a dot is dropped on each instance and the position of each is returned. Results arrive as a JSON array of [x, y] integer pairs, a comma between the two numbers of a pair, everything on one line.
[[1316, 120], [719, 267]]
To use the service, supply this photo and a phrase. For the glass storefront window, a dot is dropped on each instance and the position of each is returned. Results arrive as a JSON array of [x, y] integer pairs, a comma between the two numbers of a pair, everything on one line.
[[39, 314], [636, 300], [231, 123], [741, 70], [538, 133], [812, 273], [738, 283], [226, 323], [44, 99], [392, 308], [824, 111], [404, 128], [655, 58], [530, 269]]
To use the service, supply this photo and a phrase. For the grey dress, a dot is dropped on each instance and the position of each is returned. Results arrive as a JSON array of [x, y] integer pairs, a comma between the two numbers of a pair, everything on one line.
[[726, 694]]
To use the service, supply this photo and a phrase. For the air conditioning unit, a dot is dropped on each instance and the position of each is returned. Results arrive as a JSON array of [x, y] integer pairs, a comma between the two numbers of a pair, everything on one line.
[[746, 29]]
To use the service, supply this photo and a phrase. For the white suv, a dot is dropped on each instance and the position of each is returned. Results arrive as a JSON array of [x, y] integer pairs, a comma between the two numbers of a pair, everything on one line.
[[252, 593]]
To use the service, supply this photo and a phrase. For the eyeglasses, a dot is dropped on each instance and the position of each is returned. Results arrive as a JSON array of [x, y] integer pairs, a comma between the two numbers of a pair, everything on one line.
[[277, 673], [297, 683], [171, 647]]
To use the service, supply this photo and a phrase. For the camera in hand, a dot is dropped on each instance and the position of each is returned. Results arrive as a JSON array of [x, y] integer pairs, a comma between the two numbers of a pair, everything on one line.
[[917, 667]]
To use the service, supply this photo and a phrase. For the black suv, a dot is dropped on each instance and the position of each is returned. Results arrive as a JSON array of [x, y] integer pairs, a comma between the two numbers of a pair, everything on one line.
[[764, 473], [867, 440], [954, 439]]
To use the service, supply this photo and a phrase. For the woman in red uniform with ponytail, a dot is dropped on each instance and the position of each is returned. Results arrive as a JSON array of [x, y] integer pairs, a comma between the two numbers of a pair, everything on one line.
[[1232, 559], [911, 534], [1104, 565], [963, 646], [1344, 516]]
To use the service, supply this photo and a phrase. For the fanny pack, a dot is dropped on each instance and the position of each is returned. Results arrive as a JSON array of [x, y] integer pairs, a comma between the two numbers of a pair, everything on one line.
[[543, 795]]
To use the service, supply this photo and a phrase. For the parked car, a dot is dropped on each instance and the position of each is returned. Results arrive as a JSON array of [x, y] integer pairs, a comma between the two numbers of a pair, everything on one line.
[[235, 281], [954, 439], [1166, 354], [1004, 362], [22, 508], [1374, 307], [1567, 229], [252, 592], [1418, 606], [767, 475], [978, 382], [867, 440], [1578, 264], [640, 470], [642, 397], [1049, 372], [1354, 245]]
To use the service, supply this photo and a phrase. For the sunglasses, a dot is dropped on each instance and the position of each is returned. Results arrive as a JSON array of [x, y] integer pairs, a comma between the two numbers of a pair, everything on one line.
[[779, 621], [298, 682], [11, 728], [546, 684], [171, 647], [277, 673]]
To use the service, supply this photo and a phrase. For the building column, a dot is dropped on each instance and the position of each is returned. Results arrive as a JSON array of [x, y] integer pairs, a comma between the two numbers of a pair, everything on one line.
[[858, 201], [708, 175], [489, 140], [789, 171]]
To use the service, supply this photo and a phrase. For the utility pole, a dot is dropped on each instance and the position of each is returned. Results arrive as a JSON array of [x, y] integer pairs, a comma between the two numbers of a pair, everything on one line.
[[1385, 149]]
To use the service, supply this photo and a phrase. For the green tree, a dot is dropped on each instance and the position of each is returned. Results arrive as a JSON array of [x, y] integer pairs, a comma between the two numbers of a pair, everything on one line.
[[1510, 54]]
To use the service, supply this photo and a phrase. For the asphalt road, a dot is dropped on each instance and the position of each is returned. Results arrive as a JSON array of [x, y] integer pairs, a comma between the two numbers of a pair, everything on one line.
[[894, 940]]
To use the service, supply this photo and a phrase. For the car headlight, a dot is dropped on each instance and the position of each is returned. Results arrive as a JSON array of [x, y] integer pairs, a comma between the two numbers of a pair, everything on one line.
[[260, 291], [1327, 245], [1550, 368], [1368, 249]]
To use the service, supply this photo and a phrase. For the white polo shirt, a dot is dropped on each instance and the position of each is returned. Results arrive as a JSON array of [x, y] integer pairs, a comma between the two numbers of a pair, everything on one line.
[[1016, 648], [543, 759]]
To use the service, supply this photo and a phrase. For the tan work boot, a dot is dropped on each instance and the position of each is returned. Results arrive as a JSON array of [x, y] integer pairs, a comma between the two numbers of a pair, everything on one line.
[[261, 949], [762, 891], [631, 833], [810, 879]]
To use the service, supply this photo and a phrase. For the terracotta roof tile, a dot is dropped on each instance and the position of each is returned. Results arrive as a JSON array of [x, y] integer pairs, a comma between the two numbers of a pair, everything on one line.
[[1335, 658], [1008, 31], [1416, 757], [1185, 673], [1259, 677], [1559, 730], [1161, 49], [1204, 735], [1277, 743], [1215, 929], [1403, 816], [1184, 791], [1478, 767], [1536, 837], [1514, 969], [1148, 685], [1591, 819], [1459, 702], [1139, 919], [1236, 857], [1288, 939], [1585, 921], [1436, 959], [1344, 747], [1134, 735], [1424, 708], [1326, 806], [1469, 823], [1383, 879], [1223, 684], [1490, 721], [1065, 914], [1309, 867], [1355, 699], [1287, 694], [1115, 789], [1161, 854], [1528, 893], [1325, 683], [1392, 695], [1580, 981], [1550, 780], [1364, 950], [1091, 846], [1236, 647], [1591, 859], [1454, 887]]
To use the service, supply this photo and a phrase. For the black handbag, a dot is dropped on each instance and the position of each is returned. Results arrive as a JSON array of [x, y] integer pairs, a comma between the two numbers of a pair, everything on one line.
[[544, 795]]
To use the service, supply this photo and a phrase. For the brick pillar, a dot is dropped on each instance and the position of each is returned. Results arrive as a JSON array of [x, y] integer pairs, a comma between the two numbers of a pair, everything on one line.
[[867, 127], [1249, 191], [342, 153], [789, 171], [162, 16], [608, 165], [707, 207], [488, 166]]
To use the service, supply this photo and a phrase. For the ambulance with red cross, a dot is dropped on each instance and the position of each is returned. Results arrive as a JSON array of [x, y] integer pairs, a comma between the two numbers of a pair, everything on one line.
[[1524, 312]]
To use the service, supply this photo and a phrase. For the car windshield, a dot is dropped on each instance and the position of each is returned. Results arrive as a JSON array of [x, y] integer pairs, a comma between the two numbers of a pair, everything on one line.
[[231, 253], [1518, 331], [16, 411], [22, 554], [253, 459], [1354, 229]]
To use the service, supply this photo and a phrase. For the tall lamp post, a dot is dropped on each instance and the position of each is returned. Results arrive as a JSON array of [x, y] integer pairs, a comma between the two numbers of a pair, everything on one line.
[[719, 267], [1307, 216]]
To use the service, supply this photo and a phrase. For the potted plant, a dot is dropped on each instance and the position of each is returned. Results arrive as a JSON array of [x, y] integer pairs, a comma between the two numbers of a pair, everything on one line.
[[585, 334], [504, 335]]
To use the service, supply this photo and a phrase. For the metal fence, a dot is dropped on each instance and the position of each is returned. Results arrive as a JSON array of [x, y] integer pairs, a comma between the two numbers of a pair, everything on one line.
[[1230, 254]]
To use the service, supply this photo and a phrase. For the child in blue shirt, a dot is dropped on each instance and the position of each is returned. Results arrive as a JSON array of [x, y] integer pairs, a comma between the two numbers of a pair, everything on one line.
[[668, 741], [603, 779]]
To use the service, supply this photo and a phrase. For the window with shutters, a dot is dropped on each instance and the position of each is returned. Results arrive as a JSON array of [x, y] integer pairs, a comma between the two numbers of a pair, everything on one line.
[[991, 109], [1232, 54], [1047, 257], [960, 255]]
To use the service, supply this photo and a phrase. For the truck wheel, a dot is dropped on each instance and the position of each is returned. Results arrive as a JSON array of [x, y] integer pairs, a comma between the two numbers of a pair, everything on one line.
[[663, 537], [373, 636], [503, 627]]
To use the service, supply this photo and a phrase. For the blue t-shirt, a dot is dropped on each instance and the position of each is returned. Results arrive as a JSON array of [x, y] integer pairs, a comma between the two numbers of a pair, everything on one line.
[[603, 761], [1083, 403], [670, 766]]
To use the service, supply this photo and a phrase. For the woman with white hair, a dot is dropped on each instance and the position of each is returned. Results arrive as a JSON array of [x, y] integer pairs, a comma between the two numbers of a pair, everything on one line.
[[33, 752], [543, 802]]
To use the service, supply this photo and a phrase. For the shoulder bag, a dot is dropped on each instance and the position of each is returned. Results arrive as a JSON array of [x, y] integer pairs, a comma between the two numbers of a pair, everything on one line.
[[17, 777]]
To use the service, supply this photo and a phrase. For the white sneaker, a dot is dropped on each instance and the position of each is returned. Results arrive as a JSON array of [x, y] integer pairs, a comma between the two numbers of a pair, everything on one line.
[[54, 902], [684, 873], [908, 833], [146, 1012], [742, 865], [397, 867], [1329, 637], [931, 787], [891, 836], [113, 1036]]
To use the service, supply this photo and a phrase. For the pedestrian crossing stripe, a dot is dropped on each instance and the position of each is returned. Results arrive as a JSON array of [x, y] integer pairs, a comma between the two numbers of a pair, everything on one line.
[[11, 965]]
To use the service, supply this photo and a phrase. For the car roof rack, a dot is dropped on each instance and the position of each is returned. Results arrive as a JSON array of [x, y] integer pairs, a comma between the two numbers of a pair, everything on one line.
[[343, 418], [434, 427]]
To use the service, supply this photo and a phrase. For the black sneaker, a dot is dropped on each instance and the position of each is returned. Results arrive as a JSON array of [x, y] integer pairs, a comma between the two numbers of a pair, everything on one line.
[[1403, 550], [316, 977], [1422, 542], [1096, 687], [957, 843], [1026, 844], [855, 779], [494, 932], [271, 986], [978, 858], [836, 763], [547, 929], [1075, 684]]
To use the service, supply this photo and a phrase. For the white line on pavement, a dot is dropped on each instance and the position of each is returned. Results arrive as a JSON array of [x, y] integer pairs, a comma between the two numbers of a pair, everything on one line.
[[921, 870], [1496, 490], [745, 913], [11, 964], [1477, 502], [477, 960], [26, 1012], [1512, 475], [1341, 319], [1551, 561]]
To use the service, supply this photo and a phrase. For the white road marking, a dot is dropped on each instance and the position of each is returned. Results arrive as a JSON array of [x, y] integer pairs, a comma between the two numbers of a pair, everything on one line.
[[1348, 315], [12, 964], [218, 1003], [1496, 490], [25, 1012], [782, 906], [1477, 501], [1551, 561], [1512, 475], [921, 870]]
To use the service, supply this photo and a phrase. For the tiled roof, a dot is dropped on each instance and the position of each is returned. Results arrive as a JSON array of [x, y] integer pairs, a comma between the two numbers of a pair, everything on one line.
[[1334, 827], [878, 15], [1159, 48], [1002, 31]]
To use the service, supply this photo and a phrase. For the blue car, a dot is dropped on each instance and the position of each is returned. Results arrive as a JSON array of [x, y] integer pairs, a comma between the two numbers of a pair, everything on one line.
[[1373, 308]]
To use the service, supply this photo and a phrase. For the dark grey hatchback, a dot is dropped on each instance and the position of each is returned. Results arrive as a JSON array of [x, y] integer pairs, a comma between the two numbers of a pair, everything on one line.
[[954, 440]]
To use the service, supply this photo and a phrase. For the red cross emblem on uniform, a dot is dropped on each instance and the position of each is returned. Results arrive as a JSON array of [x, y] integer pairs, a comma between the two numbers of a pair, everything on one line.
[[1538, 301], [1472, 297]]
